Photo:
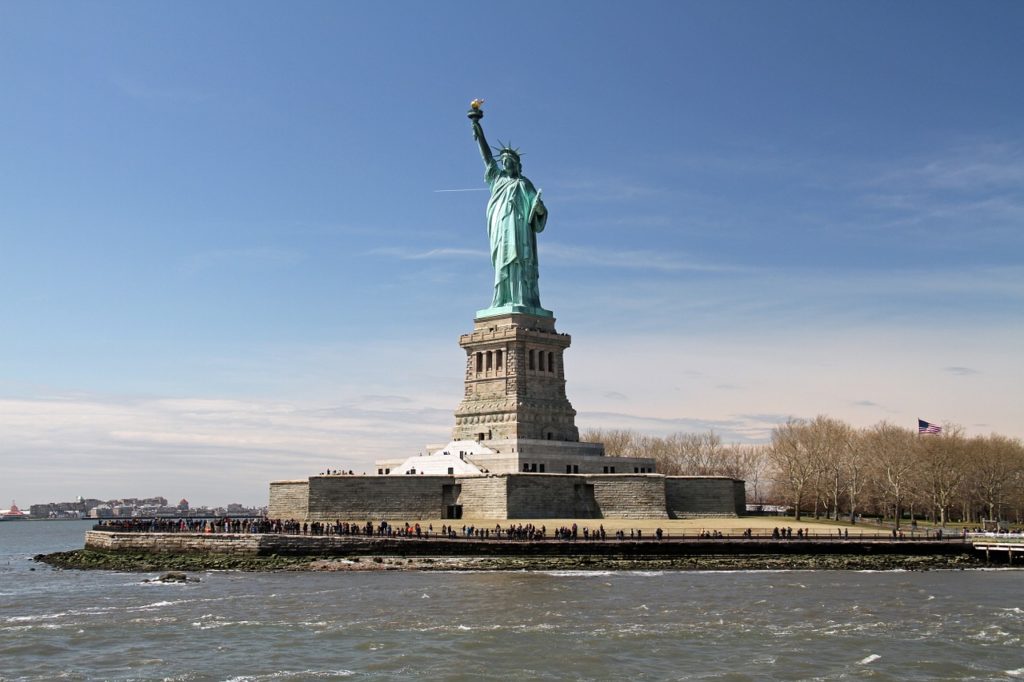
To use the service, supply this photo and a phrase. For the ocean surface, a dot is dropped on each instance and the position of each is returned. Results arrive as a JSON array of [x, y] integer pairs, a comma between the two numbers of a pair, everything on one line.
[[741, 625]]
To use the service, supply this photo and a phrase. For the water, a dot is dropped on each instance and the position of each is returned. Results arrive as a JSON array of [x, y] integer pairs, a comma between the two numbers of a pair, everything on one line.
[[744, 625]]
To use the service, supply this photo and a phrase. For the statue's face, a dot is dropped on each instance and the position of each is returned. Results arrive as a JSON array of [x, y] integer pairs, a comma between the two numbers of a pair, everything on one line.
[[511, 165]]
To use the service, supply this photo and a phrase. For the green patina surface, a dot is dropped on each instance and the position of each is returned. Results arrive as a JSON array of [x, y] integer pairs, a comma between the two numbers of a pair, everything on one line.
[[510, 309], [515, 214]]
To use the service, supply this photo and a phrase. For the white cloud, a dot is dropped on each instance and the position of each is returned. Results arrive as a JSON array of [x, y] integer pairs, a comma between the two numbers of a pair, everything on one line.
[[430, 254], [878, 372], [565, 254], [973, 188], [805, 298], [603, 189], [966, 167], [739, 382], [207, 450]]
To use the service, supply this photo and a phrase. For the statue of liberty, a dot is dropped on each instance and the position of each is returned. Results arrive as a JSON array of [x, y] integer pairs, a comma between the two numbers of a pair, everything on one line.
[[515, 214]]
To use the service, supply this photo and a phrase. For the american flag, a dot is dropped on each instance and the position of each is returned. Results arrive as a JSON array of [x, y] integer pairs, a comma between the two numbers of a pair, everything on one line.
[[925, 427]]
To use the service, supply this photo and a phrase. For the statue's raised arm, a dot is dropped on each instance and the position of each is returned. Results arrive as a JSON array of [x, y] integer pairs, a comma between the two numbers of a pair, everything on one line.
[[475, 114]]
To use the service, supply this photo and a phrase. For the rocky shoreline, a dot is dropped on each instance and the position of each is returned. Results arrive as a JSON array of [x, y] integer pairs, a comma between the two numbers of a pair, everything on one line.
[[86, 559]]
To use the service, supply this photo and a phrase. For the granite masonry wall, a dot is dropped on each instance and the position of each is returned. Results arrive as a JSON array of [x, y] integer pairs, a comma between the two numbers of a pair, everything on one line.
[[288, 500], [173, 543], [484, 497], [549, 496], [623, 496], [506, 496], [739, 491], [397, 498], [687, 496]]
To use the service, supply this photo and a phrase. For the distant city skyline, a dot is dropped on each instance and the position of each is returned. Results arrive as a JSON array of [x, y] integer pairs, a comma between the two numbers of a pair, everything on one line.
[[134, 507], [238, 246]]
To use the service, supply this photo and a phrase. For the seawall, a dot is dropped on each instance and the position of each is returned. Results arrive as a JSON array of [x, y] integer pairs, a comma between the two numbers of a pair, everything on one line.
[[255, 545]]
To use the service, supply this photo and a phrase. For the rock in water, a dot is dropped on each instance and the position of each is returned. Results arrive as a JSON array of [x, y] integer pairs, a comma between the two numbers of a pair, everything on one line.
[[173, 577]]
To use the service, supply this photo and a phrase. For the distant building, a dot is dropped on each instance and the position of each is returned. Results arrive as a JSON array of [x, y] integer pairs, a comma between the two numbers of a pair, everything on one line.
[[769, 509], [135, 507], [123, 511], [101, 511]]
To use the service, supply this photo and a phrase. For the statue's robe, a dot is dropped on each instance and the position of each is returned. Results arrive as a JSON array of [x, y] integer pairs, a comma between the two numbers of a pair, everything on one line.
[[512, 227]]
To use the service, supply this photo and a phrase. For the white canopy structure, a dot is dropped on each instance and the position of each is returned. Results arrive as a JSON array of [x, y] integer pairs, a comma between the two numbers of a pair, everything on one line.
[[449, 460]]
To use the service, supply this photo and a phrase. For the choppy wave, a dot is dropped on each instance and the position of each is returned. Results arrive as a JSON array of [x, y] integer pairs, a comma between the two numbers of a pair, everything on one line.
[[294, 674], [488, 625]]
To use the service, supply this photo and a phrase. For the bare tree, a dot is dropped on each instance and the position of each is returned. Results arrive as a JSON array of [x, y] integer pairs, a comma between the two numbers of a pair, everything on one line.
[[891, 452], [997, 462], [750, 464], [830, 441], [855, 471], [693, 454], [617, 442], [941, 466], [885, 468], [792, 457]]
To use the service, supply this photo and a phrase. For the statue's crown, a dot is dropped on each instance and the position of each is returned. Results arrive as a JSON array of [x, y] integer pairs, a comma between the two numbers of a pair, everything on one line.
[[507, 150]]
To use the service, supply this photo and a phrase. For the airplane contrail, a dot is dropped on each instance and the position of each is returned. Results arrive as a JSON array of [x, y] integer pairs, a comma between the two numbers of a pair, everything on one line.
[[471, 189]]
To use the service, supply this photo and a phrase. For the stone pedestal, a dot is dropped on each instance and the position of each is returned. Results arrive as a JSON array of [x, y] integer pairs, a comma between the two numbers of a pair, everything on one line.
[[515, 381]]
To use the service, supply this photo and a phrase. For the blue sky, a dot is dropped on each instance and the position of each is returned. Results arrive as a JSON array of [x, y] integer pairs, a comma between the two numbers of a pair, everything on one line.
[[227, 255]]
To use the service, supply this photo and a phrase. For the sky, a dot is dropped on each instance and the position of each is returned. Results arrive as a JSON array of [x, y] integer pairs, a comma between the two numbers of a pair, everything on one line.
[[239, 240]]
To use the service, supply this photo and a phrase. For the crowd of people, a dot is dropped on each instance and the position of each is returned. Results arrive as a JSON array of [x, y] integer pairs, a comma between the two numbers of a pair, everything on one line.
[[192, 525], [384, 529]]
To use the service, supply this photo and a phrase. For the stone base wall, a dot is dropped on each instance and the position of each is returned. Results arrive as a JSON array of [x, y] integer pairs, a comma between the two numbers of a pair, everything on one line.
[[506, 496], [549, 497], [630, 497], [739, 492], [483, 497], [174, 543], [396, 498], [289, 500], [687, 496]]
